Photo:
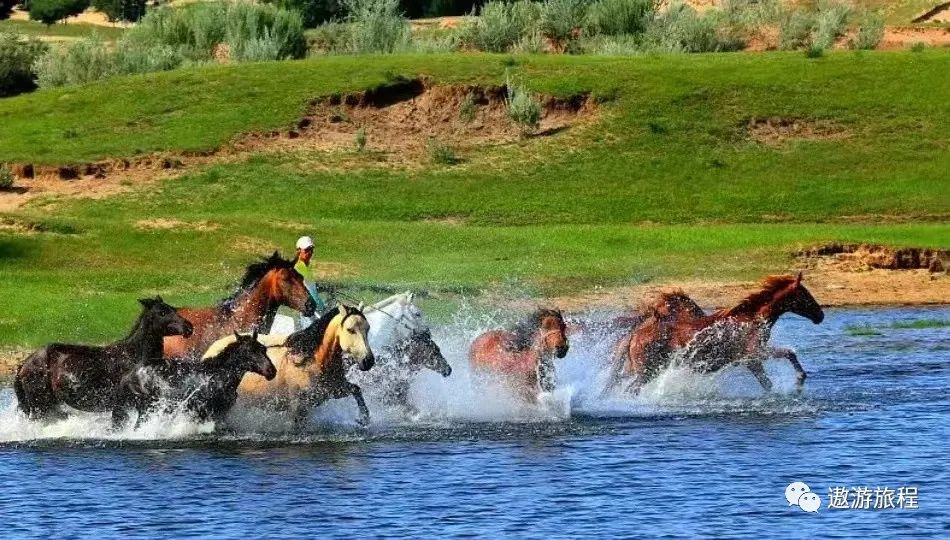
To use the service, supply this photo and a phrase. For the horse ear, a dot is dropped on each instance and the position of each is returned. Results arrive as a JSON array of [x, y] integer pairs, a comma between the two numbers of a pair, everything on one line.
[[342, 310], [798, 280], [237, 336], [254, 335], [409, 296], [275, 256], [360, 307], [146, 302], [158, 299]]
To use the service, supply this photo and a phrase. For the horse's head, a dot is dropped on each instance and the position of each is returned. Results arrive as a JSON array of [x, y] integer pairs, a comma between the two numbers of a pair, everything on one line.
[[249, 355], [553, 336], [798, 300], [284, 286], [351, 336], [164, 318], [422, 351]]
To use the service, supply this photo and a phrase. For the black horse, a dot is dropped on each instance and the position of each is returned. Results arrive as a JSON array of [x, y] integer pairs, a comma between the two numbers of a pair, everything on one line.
[[399, 363], [207, 389], [86, 377]]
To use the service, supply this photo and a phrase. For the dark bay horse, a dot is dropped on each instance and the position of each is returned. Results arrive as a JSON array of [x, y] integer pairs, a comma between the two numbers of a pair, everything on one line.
[[310, 364], [207, 390], [399, 362], [86, 377], [708, 343], [266, 286], [523, 358]]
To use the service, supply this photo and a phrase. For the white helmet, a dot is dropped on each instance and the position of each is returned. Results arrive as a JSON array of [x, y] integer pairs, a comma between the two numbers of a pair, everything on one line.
[[304, 242]]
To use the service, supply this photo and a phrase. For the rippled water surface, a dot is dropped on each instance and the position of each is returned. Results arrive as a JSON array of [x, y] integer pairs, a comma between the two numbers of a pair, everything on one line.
[[690, 456]]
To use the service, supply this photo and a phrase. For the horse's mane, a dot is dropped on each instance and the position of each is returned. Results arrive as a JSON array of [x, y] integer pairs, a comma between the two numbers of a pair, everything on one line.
[[257, 270], [522, 332], [771, 286], [669, 302], [304, 342]]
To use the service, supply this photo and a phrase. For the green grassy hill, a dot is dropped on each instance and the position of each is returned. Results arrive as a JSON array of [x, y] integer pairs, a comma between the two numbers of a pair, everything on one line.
[[665, 184]]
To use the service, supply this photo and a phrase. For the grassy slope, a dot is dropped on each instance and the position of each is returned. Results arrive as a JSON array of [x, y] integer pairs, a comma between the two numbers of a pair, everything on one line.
[[612, 203]]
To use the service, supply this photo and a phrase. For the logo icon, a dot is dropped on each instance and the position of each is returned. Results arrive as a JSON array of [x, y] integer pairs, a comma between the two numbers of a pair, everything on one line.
[[798, 494]]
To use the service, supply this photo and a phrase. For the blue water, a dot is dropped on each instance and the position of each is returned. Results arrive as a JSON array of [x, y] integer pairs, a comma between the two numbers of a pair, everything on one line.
[[692, 456]]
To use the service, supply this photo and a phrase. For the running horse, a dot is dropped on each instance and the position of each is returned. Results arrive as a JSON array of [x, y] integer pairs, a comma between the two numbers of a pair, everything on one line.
[[310, 364], [86, 377], [523, 357], [266, 285], [675, 324]]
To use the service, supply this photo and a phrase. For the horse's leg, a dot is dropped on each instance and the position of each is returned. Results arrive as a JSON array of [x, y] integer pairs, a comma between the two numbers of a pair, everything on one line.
[[758, 370], [305, 402], [357, 394], [788, 354]]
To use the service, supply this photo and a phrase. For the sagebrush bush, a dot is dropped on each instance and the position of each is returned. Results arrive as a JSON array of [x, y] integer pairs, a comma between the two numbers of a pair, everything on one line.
[[501, 25], [467, 108], [618, 17], [443, 43], [17, 56], [85, 61], [795, 29], [682, 29], [532, 43], [441, 153], [870, 32], [523, 109], [360, 139], [830, 23], [918, 46], [331, 37], [377, 26], [622, 45], [131, 59], [561, 20], [6, 177]]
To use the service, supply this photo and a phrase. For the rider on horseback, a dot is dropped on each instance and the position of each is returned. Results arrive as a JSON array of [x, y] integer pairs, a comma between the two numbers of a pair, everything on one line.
[[302, 266]]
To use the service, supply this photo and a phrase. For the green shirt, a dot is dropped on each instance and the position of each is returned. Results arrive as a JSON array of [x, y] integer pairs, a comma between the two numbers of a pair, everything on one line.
[[311, 284]]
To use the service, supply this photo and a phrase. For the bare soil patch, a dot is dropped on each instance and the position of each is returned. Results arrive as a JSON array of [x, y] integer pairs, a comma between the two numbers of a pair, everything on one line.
[[776, 131], [864, 257], [170, 224], [902, 37]]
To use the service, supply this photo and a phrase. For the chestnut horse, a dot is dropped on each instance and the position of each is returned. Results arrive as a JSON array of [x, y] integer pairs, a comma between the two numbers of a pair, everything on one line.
[[523, 357], [266, 285], [310, 364], [86, 377], [708, 343]]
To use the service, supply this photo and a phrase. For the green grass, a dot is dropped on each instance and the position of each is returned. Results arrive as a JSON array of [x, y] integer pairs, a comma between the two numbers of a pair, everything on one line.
[[921, 324], [664, 186], [862, 330], [61, 31]]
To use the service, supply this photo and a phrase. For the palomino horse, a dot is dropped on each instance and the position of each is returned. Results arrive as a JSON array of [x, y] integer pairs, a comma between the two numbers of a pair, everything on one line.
[[400, 335], [523, 357], [707, 343], [266, 285], [87, 378], [207, 390], [310, 364]]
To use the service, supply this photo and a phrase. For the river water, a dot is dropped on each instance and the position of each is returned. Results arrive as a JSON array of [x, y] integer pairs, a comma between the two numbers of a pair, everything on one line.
[[690, 456]]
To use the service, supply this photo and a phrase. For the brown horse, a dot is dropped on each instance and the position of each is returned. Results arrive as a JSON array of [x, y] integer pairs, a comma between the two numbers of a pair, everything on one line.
[[266, 285], [707, 343], [87, 378], [523, 357], [310, 364]]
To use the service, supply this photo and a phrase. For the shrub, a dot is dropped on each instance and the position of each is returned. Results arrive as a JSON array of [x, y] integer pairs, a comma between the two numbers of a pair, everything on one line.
[[623, 45], [501, 25], [870, 32], [795, 28], [263, 27], [814, 51], [377, 26], [121, 10], [360, 139], [561, 20], [523, 109], [467, 108], [918, 46], [441, 153], [131, 59], [85, 61], [6, 177], [17, 56], [314, 12], [333, 37], [51, 11], [441, 43], [618, 17], [682, 29], [831, 22], [532, 43]]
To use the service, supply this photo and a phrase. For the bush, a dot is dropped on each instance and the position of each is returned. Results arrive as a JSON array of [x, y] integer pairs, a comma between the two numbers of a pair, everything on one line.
[[314, 12], [6, 177], [441, 153], [17, 56], [870, 32], [814, 51], [467, 108], [561, 20], [918, 46], [623, 45], [831, 22], [377, 26], [131, 59], [795, 28], [523, 109], [51, 11], [121, 10], [618, 17], [332, 37], [682, 29], [501, 25], [360, 139], [85, 61], [532, 43], [271, 33]]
